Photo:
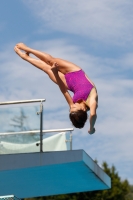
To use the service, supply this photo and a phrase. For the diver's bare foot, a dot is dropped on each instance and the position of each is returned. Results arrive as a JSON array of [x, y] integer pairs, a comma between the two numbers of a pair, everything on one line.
[[20, 53], [23, 47]]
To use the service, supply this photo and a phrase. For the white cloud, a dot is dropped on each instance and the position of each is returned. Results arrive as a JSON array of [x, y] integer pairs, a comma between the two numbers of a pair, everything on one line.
[[107, 21]]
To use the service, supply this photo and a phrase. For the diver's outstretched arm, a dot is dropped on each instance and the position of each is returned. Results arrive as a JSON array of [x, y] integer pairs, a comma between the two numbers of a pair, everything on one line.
[[61, 85], [93, 117]]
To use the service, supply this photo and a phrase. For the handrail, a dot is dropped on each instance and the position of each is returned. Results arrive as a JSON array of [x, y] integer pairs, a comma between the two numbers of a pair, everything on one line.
[[41, 131], [22, 101], [37, 131]]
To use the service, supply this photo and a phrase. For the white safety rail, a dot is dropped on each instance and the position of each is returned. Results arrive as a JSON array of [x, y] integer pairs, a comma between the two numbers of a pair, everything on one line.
[[38, 113], [39, 140], [61, 141], [22, 101], [9, 197]]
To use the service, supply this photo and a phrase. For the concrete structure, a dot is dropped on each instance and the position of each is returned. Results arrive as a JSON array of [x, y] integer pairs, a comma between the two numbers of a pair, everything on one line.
[[50, 173]]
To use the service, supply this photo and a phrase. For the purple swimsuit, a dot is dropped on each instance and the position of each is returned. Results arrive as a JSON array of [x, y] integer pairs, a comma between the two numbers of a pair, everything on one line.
[[79, 85]]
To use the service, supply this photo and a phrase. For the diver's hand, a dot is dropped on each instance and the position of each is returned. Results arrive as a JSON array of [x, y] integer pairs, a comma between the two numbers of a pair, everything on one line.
[[54, 68], [91, 131]]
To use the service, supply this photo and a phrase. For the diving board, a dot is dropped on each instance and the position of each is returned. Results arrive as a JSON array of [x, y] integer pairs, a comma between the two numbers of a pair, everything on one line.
[[51, 173]]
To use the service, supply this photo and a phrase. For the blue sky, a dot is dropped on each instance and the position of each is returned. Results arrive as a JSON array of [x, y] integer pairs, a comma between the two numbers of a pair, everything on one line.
[[97, 36]]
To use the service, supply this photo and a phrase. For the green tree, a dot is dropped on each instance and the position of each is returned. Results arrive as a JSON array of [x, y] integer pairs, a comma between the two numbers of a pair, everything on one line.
[[119, 189], [129, 196]]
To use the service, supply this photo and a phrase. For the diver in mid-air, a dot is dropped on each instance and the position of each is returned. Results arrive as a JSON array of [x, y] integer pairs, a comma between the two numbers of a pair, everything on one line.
[[67, 76]]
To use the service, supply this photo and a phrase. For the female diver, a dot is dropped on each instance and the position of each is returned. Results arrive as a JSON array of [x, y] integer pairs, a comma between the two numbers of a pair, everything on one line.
[[68, 76]]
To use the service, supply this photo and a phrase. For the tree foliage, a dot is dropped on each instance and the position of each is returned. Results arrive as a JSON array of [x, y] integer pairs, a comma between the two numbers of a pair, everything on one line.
[[129, 196], [120, 190]]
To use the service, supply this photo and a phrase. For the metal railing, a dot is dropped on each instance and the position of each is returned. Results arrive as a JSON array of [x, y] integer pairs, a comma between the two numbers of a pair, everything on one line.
[[9, 197], [40, 112], [22, 101]]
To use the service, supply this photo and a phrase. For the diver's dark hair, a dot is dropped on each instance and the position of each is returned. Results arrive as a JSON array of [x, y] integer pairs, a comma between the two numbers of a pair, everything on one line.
[[78, 118]]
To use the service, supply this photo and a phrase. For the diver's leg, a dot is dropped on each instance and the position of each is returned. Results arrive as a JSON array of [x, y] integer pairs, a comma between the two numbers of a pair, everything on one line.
[[41, 65], [63, 65]]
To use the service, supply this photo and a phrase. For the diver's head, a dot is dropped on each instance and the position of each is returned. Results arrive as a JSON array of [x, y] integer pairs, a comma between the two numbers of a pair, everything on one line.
[[78, 118]]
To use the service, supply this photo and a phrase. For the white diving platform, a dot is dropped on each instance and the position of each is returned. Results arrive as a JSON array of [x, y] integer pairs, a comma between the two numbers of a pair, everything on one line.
[[51, 173]]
